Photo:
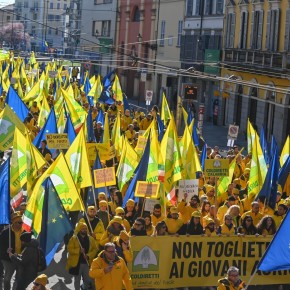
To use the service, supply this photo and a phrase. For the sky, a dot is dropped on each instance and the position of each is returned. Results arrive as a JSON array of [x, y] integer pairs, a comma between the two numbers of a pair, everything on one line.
[[6, 2]]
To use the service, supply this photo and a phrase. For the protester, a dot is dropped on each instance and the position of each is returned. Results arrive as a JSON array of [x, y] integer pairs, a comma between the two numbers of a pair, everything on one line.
[[40, 283], [266, 226], [148, 225], [157, 215], [138, 228], [121, 213], [247, 227], [110, 271], [123, 248], [10, 241], [232, 281], [174, 224], [82, 249], [227, 228], [27, 261], [103, 213], [161, 229], [194, 226], [113, 230]]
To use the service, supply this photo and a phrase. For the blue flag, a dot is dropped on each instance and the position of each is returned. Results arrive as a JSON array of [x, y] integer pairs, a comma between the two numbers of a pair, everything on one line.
[[277, 255], [126, 103], [203, 156], [161, 127], [140, 174], [189, 117], [49, 127], [273, 147], [264, 145], [55, 222], [107, 80], [195, 137], [87, 88], [269, 189], [91, 136], [105, 98], [69, 129], [5, 193], [16, 104], [284, 173], [100, 117]]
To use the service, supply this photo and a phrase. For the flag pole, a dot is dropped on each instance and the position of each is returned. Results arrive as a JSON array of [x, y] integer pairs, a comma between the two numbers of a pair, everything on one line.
[[251, 278], [90, 226], [85, 257]]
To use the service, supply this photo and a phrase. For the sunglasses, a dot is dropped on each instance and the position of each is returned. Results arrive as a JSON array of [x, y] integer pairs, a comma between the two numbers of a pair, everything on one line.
[[36, 284], [137, 224], [249, 220]]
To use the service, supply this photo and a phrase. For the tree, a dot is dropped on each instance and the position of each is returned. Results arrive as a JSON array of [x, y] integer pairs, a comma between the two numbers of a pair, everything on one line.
[[15, 36]]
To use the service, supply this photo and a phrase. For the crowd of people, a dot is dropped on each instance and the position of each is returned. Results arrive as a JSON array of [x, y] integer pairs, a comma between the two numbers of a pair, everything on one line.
[[99, 247]]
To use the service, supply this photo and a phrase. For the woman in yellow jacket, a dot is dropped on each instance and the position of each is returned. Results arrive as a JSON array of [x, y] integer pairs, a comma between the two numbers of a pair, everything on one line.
[[227, 228], [110, 271]]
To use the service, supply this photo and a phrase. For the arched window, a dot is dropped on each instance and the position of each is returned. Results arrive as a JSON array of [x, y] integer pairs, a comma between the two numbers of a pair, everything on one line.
[[136, 14]]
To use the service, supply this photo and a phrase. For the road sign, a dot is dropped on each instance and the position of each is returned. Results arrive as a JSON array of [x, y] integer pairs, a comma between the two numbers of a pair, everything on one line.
[[233, 132], [149, 96]]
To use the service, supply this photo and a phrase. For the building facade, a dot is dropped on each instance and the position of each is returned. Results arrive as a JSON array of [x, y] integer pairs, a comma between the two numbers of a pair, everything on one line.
[[256, 68], [200, 54], [44, 21]]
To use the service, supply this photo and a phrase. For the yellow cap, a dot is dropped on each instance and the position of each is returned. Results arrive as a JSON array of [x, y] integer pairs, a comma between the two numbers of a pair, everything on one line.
[[119, 210], [173, 209], [208, 188], [208, 221], [103, 202], [41, 279], [130, 202], [196, 214]]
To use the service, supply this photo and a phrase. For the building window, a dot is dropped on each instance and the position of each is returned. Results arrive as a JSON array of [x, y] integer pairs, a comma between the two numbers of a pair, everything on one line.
[[102, 2], [102, 28], [198, 7], [170, 40], [273, 28], [49, 31], [230, 30], [136, 14], [257, 29], [180, 26], [8, 18], [162, 33], [58, 6], [243, 30], [50, 17], [64, 6], [25, 5], [287, 31], [219, 7], [56, 31], [51, 5], [208, 7], [189, 8]]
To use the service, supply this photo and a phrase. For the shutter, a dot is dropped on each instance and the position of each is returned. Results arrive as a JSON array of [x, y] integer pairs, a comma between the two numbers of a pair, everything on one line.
[[260, 30], [227, 37], [287, 31], [268, 38], [241, 30], [245, 30], [233, 23], [197, 8], [252, 30], [276, 29]]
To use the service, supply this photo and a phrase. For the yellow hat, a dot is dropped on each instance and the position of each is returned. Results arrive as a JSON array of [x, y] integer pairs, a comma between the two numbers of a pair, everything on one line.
[[90, 207], [116, 219], [119, 210], [103, 202], [208, 221], [173, 209], [41, 279], [247, 170], [236, 181], [130, 202], [101, 194], [208, 188], [142, 114], [124, 236], [196, 214], [235, 191]]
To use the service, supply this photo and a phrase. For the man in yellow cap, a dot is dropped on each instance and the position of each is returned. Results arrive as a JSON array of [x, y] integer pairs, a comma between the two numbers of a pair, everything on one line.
[[174, 223], [13, 245], [210, 193], [40, 282], [130, 211], [113, 230], [95, 224], [145, 123], [103, 213], [82, 249], [121, 213]]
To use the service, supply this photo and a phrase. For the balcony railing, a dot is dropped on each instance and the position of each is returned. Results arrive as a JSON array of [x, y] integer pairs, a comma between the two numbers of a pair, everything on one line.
[[258, 59]]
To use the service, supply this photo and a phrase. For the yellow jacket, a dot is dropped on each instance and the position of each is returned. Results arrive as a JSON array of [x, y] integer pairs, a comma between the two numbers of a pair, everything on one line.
[[144, 124], [173, 225], [225, 284], [186, 211], [156, 220], [113, 280], [98, 230], [73, 249], [256, 217]]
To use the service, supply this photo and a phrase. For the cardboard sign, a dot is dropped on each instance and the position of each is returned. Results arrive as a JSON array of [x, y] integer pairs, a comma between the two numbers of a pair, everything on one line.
[[104, 177], [147, 189], [57, 141], [216, 167], [52, 74], [149, 204], [105, 151], [187, 187]]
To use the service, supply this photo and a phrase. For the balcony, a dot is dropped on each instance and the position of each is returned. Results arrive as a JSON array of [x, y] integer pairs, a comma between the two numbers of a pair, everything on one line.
[[257, 60]]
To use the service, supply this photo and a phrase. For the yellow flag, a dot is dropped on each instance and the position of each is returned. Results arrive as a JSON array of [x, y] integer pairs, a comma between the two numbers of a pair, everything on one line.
[[185, 115], [117, 90], [116, 135], [106, 135], [8, 122], [285, 151], [33, 93], [165, 111], [44, 112], [171, 156], [61, 122], [78, 162]]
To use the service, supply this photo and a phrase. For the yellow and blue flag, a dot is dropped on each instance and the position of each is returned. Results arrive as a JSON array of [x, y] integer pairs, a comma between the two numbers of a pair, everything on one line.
[[5, 193]]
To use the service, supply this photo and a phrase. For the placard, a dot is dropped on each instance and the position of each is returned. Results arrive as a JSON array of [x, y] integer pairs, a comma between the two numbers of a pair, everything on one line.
[[57, 141], [149, 204], [216, 167], [52, 74], [104, 177], [147, 189], [188, 187]]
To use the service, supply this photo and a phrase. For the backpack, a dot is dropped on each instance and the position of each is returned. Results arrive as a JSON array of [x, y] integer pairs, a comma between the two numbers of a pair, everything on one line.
[[41, 260]]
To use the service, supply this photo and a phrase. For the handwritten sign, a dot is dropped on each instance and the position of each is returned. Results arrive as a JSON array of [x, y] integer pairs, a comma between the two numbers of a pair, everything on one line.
[[187, 187], [104, 177], [57, 141], [147, 189]]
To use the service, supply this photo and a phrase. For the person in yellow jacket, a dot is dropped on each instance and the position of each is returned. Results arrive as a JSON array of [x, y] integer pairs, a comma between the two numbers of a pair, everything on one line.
[[227, 228], [82, 249], [157, 215], [126, 120], [173, 222], [110, 271], [232, 281], [121, 213], [186, 210], [95, 224], [254, 213], [145, 123]]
